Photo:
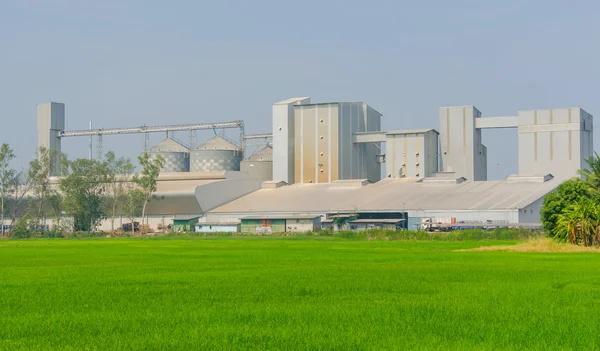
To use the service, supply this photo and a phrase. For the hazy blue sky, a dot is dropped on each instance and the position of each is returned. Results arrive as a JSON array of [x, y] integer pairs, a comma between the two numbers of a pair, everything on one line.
[[134, 62]]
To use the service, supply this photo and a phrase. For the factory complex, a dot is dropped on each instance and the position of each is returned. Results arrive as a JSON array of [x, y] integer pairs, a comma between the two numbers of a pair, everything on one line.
[[326, 161]]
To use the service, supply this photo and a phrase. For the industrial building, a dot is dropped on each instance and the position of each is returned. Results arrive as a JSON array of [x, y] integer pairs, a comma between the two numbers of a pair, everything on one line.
[[326, 160]]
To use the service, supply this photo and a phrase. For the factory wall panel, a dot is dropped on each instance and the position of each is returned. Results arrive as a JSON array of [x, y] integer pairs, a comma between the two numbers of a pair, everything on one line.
[[306, 154], [283, 139], [531, 213], [461, 146], [333, 159], [324, 148], [261, 170], [346, 159], [411, 154], [51, 121], [373, 123], [323, 122], [554, 141]]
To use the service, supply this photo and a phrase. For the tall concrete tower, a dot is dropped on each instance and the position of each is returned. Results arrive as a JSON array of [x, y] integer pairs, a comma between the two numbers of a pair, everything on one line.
[[51, 122], [460, 141], [283, 138], [557, 141]]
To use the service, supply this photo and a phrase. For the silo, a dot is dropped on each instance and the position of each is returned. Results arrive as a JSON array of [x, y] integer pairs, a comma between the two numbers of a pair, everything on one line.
[[176, 155], [217, 154], [259, 165]]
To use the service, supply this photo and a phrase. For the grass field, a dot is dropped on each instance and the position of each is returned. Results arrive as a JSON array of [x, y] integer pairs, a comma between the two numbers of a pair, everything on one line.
[[290, 293]]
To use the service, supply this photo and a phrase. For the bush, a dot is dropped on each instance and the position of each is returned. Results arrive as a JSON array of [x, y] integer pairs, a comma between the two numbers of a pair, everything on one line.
[[82, 234], [21, 228], [457, 235]]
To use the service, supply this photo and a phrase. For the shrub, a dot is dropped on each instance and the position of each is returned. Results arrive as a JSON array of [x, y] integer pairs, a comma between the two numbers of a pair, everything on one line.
[[21, 228]]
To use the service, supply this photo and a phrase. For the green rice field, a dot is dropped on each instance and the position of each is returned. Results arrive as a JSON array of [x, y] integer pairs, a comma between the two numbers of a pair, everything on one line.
[[293, 294]]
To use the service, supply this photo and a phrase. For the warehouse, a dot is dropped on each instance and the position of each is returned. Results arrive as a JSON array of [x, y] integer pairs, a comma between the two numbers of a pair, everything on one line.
[[511, 201]]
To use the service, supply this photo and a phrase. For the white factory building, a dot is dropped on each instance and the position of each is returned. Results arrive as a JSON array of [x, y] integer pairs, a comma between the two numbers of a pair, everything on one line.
[[326, 159]]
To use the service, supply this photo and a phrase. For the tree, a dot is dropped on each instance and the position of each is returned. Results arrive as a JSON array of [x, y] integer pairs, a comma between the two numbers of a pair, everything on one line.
[[118, 174], [83, 185], [56, 202], [147, 180], [40, 170], [133, 205], [579, 223], [592, 174], [6, 176], [20, 185], [556, 202]]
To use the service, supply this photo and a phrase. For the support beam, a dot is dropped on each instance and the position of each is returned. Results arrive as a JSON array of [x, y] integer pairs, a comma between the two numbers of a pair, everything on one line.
[[258, 136], [368, 137], [496, 122], [151, 129]]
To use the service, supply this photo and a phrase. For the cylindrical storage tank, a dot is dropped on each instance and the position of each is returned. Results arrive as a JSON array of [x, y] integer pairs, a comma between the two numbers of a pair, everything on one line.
[[259, 165], [217, 154], [176, 155]]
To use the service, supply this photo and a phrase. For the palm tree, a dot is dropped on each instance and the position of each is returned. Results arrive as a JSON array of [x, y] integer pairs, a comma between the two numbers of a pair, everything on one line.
[[592, 174], [580, 223]]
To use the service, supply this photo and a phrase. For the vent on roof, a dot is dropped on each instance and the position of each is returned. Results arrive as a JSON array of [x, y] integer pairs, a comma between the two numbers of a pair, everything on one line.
[[436, 180], [350, 183], [517, 178], [272, 184]]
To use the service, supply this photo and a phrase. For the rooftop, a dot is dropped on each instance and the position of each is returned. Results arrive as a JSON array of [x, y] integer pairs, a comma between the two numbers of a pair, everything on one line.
[[392, 195], [282, 217]]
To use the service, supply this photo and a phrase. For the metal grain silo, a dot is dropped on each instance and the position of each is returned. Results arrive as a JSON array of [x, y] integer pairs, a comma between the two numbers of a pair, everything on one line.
[[217, 154], [259, 165], [176, 155]]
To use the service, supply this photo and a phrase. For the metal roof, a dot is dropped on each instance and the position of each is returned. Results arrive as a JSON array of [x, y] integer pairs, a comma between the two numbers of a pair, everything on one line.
[[291, 100], [218, 143], [370, 220], [169, 145], [392, 195], [265, 154], [281, 217], [184, 218]]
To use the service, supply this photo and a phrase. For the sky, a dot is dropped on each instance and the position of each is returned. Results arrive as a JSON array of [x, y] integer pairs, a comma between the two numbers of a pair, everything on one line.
[[122, 63]]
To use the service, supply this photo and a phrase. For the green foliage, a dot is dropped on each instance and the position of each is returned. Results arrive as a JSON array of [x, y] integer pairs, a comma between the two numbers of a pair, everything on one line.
[[340, 222], [40, 170], [21, 229], [118, 172], [6, 177], [592, 173], [133, 205], [83, 185], [456, 235], [269, 293], [147, 180], [556, 202], [580, 223]]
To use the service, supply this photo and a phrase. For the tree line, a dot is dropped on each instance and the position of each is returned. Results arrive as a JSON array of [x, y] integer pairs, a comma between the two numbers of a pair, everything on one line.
[[82, 193], [571, 213]]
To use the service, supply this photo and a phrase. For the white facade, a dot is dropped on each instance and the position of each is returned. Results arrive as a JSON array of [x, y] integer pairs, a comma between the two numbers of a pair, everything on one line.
[[302, 225], [283, 138], [216, 228], [411, 153], [554, 141], [325, 150], [51, 122], [460, 142]]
